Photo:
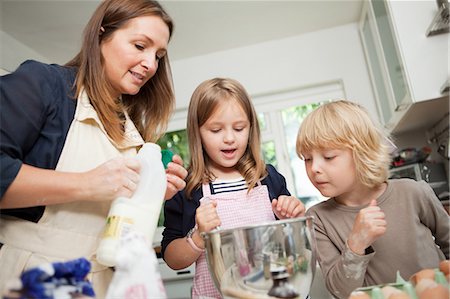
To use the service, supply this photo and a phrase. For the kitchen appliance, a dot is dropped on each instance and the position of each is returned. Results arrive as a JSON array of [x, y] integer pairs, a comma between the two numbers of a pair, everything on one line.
[[274, 259], [432, 173], [177, 283], [410, 155]]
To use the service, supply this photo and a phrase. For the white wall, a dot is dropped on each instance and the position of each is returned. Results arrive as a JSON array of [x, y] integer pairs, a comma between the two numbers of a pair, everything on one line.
[[285, 64], [334, 54], [13, 53]]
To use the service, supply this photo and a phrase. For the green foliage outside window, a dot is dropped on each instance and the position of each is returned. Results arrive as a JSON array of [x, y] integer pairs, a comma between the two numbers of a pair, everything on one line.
[[268, 149], [262, 121], [177, 142], [292, 119], [296, 114]]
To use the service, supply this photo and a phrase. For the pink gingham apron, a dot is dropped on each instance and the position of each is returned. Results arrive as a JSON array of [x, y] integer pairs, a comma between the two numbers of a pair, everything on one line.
[[235, 209]]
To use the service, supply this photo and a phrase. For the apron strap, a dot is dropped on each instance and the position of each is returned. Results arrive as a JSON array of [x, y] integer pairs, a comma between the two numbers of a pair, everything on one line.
[[206, 188]]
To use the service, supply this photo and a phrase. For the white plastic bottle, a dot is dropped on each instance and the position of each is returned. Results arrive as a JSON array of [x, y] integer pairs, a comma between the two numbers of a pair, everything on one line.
[[140, 212]]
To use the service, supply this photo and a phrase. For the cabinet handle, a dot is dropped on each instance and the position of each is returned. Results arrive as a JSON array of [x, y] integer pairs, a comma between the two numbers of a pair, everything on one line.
[[401, 107]]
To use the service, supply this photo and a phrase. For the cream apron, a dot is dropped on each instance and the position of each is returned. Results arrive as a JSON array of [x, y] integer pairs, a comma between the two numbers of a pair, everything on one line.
[[72, 230], [235, 209]]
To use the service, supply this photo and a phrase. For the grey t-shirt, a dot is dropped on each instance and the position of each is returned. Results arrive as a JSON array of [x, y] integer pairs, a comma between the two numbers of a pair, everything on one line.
[[417, 237]]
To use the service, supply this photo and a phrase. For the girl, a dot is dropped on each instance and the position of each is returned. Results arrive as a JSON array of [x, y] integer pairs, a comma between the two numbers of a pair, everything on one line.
[[225, 166], [371, 227], [68, 132]]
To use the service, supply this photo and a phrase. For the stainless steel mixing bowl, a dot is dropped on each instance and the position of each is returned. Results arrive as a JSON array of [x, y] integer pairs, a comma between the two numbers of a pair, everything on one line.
[[269, 260]]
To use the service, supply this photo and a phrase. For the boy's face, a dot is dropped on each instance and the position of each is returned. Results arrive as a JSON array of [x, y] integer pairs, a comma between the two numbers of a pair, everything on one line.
[[225, 137], [332, 171]]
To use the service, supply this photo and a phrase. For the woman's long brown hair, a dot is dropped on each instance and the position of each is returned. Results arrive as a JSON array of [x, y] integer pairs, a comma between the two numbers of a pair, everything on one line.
[[152, 107], [204, 101]]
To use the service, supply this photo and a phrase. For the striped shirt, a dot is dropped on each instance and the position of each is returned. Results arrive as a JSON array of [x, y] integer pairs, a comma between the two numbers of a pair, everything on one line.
[[223, 186]]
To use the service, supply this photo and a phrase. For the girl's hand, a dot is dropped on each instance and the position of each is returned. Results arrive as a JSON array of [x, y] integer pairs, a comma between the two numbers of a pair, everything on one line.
[[176, 174], [114, 178], [288, 207], [206, 216], [368, 226]]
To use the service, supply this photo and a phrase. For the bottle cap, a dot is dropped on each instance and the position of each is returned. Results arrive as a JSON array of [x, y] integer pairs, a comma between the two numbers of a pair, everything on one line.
[[166, 156]]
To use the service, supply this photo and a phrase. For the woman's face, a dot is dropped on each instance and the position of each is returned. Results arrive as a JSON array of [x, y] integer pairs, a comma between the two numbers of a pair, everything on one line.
[[132, 53]]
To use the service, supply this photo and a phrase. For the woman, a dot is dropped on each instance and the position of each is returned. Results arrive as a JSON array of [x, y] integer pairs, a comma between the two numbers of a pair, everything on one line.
[[68, 134]]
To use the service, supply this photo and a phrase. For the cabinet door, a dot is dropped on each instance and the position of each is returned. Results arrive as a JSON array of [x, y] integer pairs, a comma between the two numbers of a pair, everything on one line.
[[379, 82], [425, 58], [392, 60]]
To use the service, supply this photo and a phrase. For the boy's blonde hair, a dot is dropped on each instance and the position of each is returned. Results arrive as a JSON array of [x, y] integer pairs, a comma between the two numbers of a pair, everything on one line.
[[343, 124], [204, 102]]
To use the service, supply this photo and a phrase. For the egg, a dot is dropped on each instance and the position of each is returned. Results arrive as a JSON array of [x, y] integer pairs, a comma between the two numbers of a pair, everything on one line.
[[444, 266], [425, 284], [388, 291], [437, 292], [400, 295], [359, 295], [425, 273]]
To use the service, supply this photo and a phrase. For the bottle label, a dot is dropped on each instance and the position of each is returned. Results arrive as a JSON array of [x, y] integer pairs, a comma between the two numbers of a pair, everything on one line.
[[117, 227]]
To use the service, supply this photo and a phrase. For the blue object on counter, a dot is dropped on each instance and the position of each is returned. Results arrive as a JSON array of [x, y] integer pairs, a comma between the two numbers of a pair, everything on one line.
[[57, 280]]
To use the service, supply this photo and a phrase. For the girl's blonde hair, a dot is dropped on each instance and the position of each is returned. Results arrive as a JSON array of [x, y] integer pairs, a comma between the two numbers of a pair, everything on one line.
[[343, 124], [152, 107], [204, 102]]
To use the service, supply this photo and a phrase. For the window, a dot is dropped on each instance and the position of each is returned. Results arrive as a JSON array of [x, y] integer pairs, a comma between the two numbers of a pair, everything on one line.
[[283, 113], [279, 149]]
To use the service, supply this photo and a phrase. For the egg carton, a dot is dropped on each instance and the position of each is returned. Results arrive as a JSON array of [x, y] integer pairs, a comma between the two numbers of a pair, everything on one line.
[[401, 289]]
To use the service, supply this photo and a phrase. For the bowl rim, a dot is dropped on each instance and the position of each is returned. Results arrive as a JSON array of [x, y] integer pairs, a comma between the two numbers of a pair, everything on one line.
[[262, 224]]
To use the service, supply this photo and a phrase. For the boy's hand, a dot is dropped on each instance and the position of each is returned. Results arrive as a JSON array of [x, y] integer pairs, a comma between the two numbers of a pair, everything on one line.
[[288, 207], [368, 226]]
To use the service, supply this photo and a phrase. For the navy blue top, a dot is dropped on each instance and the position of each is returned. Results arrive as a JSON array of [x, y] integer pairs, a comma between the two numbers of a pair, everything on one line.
[[37, 107], [179, 212]]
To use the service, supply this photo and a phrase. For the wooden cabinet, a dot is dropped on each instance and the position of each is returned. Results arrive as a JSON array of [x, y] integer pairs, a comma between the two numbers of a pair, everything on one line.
[[405, 65]]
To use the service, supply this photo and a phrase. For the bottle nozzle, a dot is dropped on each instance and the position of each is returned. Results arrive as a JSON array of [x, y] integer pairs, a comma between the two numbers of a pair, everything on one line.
[[166, 156]]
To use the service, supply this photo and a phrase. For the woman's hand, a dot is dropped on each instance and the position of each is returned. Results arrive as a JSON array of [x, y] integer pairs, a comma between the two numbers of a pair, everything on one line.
[[114, 178], [288, 207], [35, 186], [176, 174], [369, 225]]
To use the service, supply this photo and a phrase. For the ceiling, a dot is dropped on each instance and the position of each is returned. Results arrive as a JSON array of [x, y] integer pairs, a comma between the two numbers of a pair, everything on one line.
[[53, 28]]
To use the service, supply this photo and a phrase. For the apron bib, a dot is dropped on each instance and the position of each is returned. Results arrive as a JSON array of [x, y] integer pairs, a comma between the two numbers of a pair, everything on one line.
[[71, 230], [235, 209]]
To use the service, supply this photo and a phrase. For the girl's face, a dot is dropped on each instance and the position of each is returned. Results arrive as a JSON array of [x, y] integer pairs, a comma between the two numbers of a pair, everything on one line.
[[225, 137], [132, 53], [332, 171]]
